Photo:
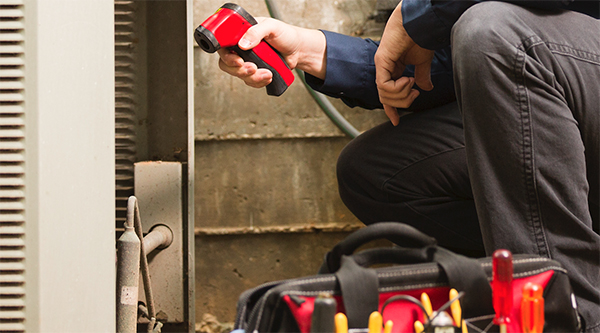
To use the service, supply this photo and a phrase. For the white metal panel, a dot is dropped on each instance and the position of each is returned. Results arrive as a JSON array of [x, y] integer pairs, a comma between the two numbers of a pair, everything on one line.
[[12, 159], [74, 142]]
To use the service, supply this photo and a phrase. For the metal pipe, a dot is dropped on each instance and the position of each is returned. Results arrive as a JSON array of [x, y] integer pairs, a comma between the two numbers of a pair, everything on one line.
[[128, 269], [159, 237], [142, 310], [131, 256], [133, 215]]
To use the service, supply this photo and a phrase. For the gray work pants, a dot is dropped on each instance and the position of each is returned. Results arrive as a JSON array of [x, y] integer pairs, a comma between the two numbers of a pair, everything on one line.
[[528, 87]]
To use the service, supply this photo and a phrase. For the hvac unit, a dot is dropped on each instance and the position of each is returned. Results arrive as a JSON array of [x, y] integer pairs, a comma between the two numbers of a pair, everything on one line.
[[77, 110]]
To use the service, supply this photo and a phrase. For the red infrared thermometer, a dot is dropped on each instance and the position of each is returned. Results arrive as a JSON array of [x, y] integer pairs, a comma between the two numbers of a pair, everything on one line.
[[225, 28]]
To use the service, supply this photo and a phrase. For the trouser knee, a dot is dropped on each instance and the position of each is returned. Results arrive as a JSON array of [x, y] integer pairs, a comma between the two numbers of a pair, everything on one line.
[[483, 34]]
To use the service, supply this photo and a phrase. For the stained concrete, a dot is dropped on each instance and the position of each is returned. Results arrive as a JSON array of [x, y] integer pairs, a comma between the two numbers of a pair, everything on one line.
[[267, 162], [241, 262], [268, 182], [227, 108]]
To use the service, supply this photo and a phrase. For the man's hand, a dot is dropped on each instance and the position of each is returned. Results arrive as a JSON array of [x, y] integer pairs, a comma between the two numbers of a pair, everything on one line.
[[302, 48], [395, 51]]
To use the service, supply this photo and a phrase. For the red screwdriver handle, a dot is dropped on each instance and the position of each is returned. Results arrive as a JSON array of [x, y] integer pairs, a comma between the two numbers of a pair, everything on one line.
[[502, 295]]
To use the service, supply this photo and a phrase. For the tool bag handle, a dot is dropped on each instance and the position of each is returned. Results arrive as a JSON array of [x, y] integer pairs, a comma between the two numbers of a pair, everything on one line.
[[359, 285], [398, 233], [391, 255]]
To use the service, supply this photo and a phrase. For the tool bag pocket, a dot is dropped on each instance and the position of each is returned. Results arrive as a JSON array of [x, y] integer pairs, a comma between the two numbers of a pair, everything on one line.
[[418, 266]]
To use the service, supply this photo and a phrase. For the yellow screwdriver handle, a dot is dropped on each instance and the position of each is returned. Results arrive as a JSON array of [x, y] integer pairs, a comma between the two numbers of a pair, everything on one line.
[[375, 322], [419, 327], [427, 305], [455, 308], [341, 323], [388, 327]]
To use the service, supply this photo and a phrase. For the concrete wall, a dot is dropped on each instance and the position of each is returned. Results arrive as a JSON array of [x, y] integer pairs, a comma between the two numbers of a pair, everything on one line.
[[265, 166]]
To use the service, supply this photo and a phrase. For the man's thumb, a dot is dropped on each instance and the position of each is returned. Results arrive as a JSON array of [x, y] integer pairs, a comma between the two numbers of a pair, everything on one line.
[[250, 39], [245, 43], [256, 33]]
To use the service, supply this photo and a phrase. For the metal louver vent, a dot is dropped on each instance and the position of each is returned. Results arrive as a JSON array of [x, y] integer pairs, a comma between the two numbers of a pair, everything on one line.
[[12, 167], [125, 104]]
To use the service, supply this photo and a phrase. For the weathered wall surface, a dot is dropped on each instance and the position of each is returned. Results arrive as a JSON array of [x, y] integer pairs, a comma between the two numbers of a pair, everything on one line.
[[228, 109], [265, 165], [260, 183]]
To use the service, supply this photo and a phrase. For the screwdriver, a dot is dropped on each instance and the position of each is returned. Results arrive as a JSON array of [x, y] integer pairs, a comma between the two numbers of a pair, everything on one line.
[[322, 319], [455, 308], [456, 311], [419, 327], [341, 323], [532, 308], [502, 273], [388, 326], [426, 302], [375, 322]]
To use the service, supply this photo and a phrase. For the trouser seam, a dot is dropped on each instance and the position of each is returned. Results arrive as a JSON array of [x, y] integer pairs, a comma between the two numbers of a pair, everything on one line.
[[569, 51], [527, 145]]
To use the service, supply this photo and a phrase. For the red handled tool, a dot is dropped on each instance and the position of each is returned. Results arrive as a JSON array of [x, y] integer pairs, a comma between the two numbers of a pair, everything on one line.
[[532, 308], [225, 28], [502, 296]]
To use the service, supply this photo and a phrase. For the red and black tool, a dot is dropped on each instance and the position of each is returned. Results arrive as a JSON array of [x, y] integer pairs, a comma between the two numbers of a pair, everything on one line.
[[225, 28]]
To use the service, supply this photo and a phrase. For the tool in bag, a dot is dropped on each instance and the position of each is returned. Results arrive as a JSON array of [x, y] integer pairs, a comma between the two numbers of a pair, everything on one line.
[[502, 292], [415, 292]]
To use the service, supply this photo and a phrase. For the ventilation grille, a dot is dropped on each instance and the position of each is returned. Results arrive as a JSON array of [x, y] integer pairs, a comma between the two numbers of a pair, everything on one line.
[[12, 168], [125, 104]]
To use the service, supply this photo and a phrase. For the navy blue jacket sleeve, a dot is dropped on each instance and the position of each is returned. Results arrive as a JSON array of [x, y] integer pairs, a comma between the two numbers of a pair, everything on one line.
[[350, 74], [429, 22]]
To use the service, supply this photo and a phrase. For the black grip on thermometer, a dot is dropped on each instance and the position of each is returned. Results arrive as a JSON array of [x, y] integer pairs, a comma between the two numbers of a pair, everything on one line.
[[278, 85]]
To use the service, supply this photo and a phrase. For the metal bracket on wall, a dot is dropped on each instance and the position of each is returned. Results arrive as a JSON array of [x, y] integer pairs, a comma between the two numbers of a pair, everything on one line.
[[158, 187]]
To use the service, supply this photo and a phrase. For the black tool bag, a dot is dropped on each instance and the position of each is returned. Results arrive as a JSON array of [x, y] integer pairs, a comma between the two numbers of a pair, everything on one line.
[[419, 266]]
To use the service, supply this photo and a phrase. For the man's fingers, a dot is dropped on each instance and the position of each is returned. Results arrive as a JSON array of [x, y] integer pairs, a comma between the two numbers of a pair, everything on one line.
[[400, 102], [390, 105], [249, 73], [398, 93], [260, 79], [423, 76], [392, 113], [403, 86], [239, 70], [398, 88], [230, 58]]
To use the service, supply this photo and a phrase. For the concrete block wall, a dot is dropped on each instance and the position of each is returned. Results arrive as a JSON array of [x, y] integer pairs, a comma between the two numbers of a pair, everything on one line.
[[267, 206]]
